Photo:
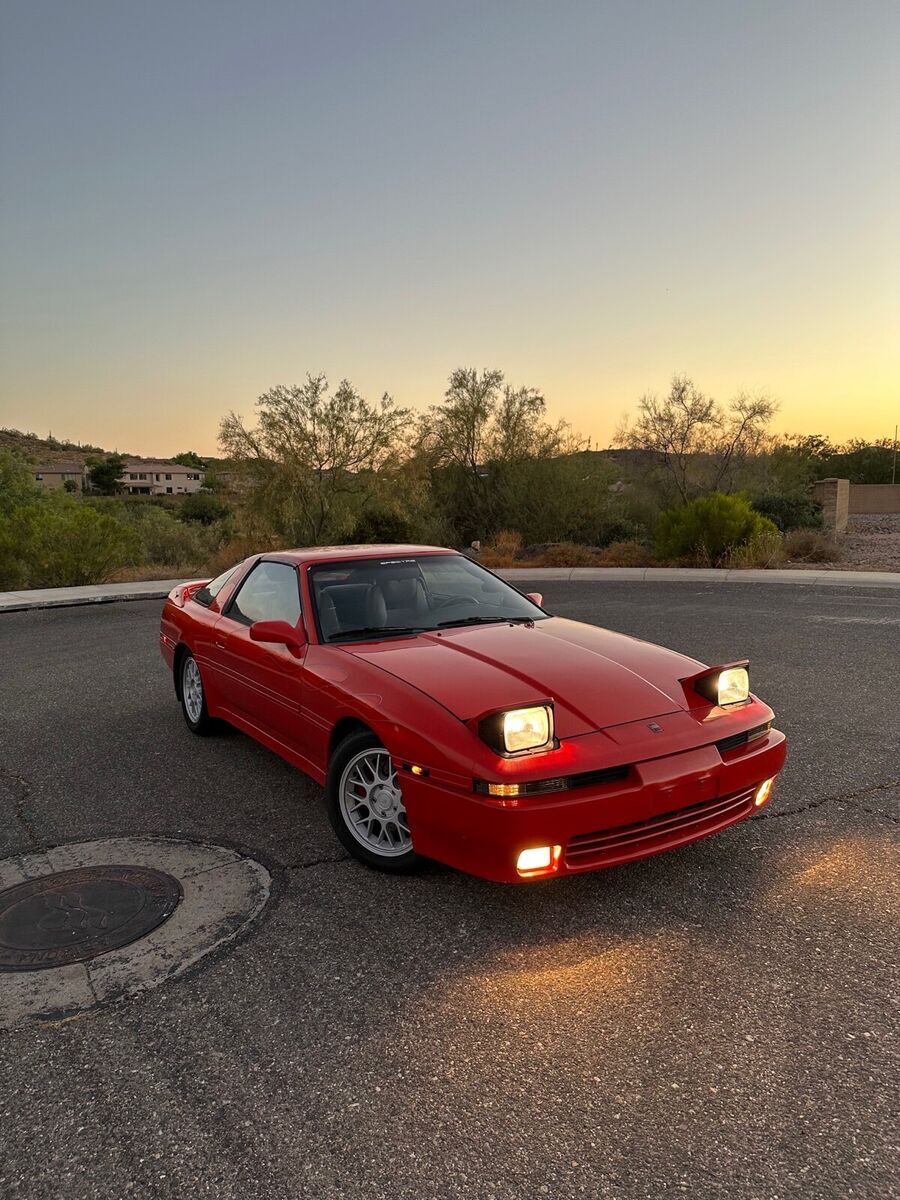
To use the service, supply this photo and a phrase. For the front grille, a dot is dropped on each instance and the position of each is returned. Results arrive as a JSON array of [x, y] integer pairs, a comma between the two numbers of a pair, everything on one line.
[[608, 846], [741, 739], [541, 787], [592, 778]]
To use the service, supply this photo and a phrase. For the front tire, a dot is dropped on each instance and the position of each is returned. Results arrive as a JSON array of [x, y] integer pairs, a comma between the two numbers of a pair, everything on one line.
[[365, 805], [193, 698]]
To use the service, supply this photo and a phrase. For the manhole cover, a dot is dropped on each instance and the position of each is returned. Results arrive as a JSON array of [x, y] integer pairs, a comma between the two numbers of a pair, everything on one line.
[[71, 916]]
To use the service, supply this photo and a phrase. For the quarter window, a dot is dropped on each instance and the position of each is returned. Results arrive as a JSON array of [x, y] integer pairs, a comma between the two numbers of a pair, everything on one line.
[[207, 594], [271, 592]]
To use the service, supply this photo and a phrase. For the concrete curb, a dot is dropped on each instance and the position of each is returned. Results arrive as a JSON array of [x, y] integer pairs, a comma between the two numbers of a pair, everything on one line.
[[105, 593], [158, 589], [223, 893], [885, 579]]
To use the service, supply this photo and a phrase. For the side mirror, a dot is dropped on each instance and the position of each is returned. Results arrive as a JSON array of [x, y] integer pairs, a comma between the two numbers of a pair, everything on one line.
[[279, 633], [535, 598]]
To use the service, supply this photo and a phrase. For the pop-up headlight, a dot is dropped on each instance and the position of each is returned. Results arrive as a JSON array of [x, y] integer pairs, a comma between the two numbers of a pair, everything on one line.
[[724, 686], [519, 730]]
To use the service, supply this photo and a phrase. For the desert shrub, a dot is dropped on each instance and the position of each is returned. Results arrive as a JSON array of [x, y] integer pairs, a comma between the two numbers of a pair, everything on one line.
[[60, 542], [233, 551], [567, 554], [811, 545], [165, 540], [625, 554], [789, 511], [503, 550], [17, 484], [618, 530], [204, 508], [382, 525], [708, 529], [764, 548]]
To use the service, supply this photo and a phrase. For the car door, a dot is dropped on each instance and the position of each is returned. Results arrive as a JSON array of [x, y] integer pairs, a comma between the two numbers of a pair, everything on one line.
[[261, 681]]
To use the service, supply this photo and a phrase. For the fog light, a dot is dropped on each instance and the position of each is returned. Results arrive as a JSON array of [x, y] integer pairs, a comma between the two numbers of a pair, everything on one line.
[[539, 860], [763, 792]]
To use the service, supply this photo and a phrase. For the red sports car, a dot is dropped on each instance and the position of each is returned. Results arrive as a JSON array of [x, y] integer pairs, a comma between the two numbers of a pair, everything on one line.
[[450, 717]]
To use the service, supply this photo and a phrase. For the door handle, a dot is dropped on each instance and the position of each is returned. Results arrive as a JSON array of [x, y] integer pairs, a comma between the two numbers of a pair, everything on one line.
[[220, 645]]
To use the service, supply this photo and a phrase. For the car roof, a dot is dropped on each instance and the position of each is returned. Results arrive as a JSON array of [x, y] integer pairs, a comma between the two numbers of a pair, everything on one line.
[[319, 554]]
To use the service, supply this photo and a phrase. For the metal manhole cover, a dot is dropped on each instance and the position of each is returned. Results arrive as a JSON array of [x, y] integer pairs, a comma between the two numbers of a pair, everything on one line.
[[72, 916]]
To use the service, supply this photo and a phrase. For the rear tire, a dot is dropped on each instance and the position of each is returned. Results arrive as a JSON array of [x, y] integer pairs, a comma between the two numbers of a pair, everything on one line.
[[365, 805], [193, 698]]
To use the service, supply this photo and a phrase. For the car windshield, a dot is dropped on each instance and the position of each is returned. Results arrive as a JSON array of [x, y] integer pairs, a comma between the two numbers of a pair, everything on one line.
[[390, 597]]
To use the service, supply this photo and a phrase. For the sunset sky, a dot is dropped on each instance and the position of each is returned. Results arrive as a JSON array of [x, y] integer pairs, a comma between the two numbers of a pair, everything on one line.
[[200, 200]]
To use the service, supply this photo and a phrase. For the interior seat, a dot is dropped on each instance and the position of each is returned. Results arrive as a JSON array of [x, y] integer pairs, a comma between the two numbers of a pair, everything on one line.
[[350, 601], [406, 601]]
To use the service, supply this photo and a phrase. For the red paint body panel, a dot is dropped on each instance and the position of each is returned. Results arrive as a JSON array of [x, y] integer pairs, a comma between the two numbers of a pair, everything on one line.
[[618, 702]]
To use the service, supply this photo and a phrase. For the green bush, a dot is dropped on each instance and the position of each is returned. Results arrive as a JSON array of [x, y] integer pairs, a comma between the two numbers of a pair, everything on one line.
[[381, 524], [163, 539], [17, 484], [789, 511], [709, 529], [204, 508], [60, 542], [764, 548]]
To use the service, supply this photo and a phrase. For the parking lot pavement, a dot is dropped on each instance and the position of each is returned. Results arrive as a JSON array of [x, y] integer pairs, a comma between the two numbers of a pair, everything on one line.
[[716, 1021]]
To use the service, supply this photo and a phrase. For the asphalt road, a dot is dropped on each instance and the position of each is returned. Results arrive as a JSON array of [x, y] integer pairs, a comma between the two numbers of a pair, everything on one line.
[[717, 1021]]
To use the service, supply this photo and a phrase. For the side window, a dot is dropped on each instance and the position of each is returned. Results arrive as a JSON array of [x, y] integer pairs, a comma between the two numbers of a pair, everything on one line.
[[207, 594], [271, 592]]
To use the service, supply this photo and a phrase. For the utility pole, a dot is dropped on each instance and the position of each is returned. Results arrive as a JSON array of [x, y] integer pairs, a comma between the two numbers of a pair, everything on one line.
[[894, 467]]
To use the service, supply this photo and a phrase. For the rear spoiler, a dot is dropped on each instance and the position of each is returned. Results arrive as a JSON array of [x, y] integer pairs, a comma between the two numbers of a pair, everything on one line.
[[182, 593]]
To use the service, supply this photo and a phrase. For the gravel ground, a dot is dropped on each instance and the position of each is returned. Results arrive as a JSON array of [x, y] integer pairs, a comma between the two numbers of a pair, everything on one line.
[[872, 543]]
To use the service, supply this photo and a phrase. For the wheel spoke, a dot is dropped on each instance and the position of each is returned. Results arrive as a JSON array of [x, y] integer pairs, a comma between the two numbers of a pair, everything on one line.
[[371, 802]]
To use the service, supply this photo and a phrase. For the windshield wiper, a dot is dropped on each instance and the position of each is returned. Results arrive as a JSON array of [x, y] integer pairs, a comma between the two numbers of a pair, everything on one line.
[[364, 630], [487, 621]]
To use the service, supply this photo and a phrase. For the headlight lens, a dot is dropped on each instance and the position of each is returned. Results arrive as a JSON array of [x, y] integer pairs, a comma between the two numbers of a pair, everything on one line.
[[527, 728], [733, 686], [519, 730]]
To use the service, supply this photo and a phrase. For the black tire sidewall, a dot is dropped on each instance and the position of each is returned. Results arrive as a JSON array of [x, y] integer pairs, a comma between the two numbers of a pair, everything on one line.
[[353, 744]]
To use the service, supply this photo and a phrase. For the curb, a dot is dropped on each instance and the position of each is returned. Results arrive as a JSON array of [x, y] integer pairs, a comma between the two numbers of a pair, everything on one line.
[[106, 593], [882, 579], [222, 894], [158, 589]]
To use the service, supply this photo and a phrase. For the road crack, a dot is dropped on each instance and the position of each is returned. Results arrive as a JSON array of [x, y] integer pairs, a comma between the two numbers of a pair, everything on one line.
[[313, 862], [21, 785], [841, 798]]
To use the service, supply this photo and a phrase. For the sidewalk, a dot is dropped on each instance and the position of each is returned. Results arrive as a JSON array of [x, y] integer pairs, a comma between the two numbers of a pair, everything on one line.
[[158, 589]]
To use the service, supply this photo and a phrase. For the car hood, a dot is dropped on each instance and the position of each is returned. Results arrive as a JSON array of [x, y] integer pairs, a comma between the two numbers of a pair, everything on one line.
[[595, 677]]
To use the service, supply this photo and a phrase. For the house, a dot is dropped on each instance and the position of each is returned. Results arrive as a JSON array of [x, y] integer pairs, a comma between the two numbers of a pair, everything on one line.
[[142, 477], [54, 476]]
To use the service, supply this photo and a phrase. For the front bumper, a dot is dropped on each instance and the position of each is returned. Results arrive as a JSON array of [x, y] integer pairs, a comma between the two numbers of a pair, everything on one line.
[[664, 802]]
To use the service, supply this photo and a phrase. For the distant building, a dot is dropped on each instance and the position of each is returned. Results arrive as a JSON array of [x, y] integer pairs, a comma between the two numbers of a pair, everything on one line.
[[149, 478], [140, 477], [54, 476]]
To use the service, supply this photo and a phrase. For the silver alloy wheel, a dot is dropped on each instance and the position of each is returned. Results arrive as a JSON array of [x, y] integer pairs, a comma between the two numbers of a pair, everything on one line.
[[371, 804], [192, 689]]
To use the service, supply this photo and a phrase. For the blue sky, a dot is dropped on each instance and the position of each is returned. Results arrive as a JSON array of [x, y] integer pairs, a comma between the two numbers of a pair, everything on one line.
[[201, 200]]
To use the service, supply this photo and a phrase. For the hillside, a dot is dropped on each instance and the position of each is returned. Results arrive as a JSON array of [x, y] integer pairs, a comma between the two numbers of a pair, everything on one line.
[[47, 450]]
